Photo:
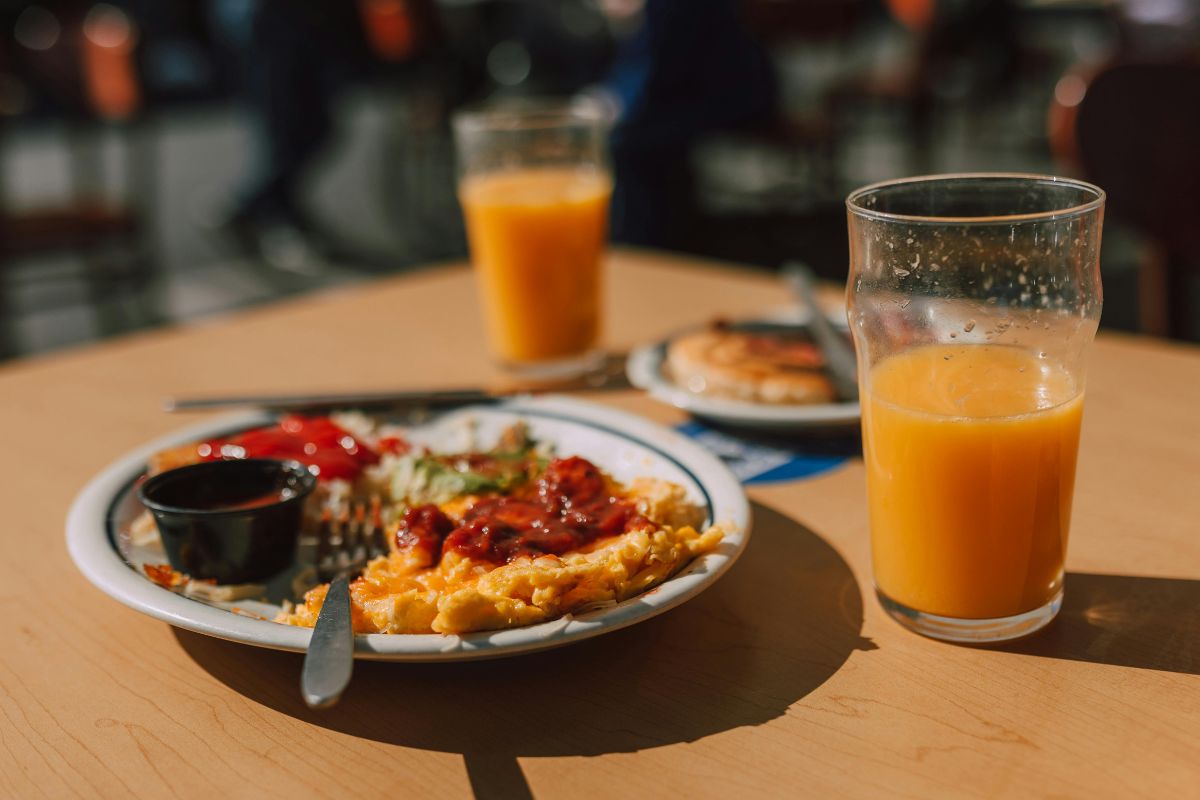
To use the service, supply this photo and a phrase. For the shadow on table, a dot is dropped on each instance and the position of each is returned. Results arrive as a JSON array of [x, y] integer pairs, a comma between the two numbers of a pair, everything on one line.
[[839, 441], [777, 626], [1150, 623]]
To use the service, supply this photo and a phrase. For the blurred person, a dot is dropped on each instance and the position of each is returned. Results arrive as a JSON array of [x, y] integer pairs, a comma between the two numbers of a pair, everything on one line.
[[292, 58], [688, 69]]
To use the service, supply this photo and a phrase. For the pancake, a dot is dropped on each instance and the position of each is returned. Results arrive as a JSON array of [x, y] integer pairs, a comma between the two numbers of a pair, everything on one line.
[[751, 367]]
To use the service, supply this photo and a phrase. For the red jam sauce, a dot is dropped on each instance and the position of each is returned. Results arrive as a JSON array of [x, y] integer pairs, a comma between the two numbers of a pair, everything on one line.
[[329, 450], [787, 353], [423, 528], [568, 507]]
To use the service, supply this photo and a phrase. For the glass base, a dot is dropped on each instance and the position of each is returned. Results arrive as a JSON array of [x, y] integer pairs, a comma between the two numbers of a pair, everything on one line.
[[569, 367], [972, 631]]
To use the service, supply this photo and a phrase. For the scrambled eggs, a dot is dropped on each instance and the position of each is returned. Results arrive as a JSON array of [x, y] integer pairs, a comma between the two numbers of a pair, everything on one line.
[[401, 593]]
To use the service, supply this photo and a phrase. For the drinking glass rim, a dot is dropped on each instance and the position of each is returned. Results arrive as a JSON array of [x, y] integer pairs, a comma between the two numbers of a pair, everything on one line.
[[1097, 201], [530, 113]]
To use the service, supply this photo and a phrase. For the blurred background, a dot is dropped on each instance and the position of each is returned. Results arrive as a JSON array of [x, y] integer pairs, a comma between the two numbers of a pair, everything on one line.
[[165, 160]]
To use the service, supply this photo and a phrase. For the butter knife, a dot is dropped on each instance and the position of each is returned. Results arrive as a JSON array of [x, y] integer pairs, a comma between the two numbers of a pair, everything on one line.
[[839, 356], [610, 376], [329, 661]]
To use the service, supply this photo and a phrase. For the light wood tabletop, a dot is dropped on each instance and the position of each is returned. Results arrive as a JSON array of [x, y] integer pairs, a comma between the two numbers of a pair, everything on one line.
[[783, 679]]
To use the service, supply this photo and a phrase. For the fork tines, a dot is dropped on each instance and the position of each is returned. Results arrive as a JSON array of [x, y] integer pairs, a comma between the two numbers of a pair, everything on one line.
[[347, 540]]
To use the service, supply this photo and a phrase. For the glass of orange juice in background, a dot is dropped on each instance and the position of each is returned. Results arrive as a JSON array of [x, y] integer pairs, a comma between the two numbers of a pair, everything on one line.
[[535, 190], [972, 300]]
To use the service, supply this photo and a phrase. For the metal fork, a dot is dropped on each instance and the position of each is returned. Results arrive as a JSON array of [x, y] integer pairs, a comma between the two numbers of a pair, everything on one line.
[[345, 544]]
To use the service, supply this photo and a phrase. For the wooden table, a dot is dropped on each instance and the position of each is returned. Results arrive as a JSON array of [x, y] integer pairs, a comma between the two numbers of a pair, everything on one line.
[[783, 679]]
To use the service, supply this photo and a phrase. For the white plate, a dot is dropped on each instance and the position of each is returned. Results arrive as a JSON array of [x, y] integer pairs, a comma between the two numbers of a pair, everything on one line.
[[624, 445], [645, 370]]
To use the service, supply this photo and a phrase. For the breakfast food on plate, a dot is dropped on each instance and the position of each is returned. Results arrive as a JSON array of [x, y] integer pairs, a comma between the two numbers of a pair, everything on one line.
[[333, 448], [338, 449], [752, 366], [488, 539]]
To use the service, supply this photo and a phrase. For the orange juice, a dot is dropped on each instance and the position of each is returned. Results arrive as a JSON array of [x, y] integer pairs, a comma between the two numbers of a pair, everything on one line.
[[536, 240], [970, 453]]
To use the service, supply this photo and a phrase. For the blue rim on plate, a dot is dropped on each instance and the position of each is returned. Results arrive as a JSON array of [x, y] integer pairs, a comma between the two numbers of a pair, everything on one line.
[[96, 516]]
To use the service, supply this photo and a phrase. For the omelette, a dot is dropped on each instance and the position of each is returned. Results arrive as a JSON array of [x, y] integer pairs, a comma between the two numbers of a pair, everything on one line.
[[477, 540], [515, 540]]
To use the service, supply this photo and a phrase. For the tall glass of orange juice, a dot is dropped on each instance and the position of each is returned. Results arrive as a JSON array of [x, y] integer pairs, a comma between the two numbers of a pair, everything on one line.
[[972, 300], [535, 190]]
